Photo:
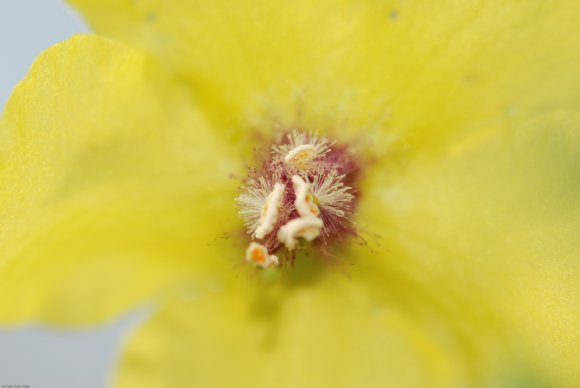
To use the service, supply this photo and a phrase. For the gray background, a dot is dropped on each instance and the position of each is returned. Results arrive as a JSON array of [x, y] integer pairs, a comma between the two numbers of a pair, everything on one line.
[[35, 355]]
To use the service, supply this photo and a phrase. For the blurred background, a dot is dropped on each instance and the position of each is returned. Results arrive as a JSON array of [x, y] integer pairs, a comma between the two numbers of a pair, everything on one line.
[[35, 355]]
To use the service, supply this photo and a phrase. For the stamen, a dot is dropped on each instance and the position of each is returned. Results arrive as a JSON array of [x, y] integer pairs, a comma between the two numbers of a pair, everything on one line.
[[260, 206], [306, 203], [258, 255], [301, 156], [333, 196], [270, 211], [301, 150], [303, 227]]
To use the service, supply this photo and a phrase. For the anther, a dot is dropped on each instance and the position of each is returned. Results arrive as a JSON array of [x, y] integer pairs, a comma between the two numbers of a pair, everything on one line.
[[307, 228], [301, 150], [301, 156], [258, 255], [306, 203], [270, 211]]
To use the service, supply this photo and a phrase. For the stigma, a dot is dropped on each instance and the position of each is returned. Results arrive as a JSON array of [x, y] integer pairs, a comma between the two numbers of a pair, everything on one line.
[[301, 196]]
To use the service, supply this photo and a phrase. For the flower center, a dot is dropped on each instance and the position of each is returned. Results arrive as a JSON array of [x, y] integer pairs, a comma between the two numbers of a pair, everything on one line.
[[298, 195]]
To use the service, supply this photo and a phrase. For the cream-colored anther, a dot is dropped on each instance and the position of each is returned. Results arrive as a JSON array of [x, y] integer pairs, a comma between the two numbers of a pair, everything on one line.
[[270, 211], [307, 228], [306, 202], [258, 255], [301, 156]]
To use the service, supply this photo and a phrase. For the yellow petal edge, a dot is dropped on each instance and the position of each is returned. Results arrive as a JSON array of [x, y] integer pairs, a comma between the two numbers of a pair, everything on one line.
[[107, 176]]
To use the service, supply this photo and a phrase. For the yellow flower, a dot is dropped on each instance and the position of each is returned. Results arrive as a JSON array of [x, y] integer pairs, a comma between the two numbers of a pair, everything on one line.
[[114, 189]]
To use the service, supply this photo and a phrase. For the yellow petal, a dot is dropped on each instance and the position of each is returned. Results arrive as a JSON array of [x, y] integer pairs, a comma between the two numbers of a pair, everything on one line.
[[491, 229], [419, 69], [112, 186], [474, 283], [315, 328]]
